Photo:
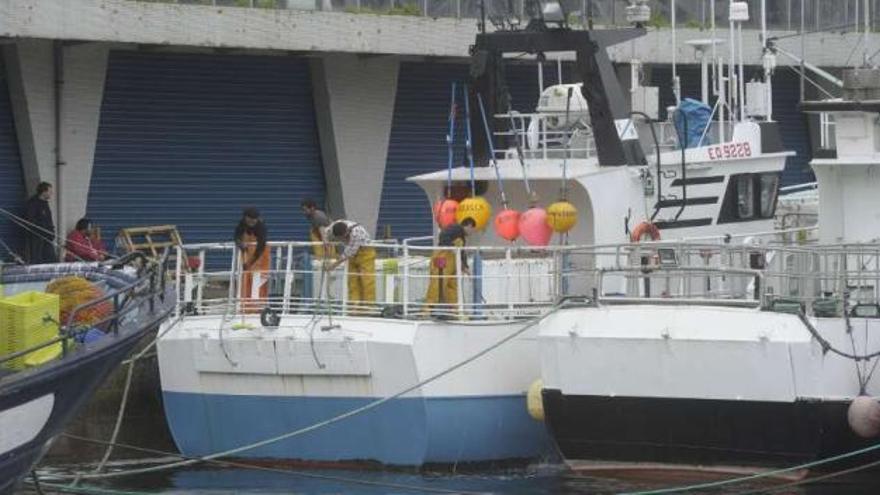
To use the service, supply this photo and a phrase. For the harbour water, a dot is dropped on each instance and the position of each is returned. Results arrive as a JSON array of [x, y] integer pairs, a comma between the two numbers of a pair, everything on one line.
[[534, 479]]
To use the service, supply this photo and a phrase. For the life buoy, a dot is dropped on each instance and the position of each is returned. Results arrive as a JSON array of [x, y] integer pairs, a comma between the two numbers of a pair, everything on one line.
[[643, 229]]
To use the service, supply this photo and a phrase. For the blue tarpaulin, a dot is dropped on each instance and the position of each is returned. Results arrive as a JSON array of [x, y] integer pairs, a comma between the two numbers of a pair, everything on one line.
[[698, 115]]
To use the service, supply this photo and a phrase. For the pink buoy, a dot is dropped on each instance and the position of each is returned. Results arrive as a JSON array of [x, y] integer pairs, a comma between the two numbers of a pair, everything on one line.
[[507, 224], [444, 212], [533, 227], [864, 416]]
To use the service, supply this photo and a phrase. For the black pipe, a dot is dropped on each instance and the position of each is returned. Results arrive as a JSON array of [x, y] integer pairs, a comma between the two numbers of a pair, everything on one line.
[[58, 69], [683, 144], [657, 148]]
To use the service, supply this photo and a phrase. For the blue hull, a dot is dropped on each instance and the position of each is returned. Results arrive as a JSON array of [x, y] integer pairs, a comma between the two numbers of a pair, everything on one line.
[[404, 432]]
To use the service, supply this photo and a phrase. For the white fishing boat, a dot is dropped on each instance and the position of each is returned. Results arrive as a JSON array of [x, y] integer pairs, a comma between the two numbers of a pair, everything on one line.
[[741, 356], [232, 380]]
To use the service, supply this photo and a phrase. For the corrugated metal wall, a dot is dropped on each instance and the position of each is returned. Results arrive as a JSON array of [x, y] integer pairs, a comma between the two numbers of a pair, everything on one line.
[[418, 136], [792, 124], [191, 139], [12, 188]]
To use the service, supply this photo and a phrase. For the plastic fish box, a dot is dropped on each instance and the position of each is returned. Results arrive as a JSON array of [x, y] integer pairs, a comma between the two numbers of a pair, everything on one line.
[[27, 320]]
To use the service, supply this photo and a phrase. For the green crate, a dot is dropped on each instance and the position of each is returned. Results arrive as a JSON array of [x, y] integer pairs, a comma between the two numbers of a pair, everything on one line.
[[828, 307], [27, 320]]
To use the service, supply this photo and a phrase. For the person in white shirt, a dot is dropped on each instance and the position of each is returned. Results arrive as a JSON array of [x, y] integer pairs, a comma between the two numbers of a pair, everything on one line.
[[361, 260]]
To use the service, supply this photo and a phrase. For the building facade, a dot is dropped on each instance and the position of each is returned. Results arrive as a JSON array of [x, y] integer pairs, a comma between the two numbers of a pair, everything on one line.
[[145, 113]]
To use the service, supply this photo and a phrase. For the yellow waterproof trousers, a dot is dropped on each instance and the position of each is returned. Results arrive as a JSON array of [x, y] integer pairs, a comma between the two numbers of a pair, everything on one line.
[[362, 277], [443, 286], [318, 249]]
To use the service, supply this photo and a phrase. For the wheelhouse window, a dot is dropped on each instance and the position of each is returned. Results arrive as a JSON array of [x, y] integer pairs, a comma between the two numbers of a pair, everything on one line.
[[750, 197], [769, 191], [745, 197]]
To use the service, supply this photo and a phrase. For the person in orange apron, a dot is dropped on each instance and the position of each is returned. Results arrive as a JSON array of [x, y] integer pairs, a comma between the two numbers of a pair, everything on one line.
[[251, 237]]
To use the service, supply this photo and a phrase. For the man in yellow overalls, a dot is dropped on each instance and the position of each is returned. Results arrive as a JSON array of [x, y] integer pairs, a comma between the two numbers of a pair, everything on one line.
[[443, 286], [361, 262]]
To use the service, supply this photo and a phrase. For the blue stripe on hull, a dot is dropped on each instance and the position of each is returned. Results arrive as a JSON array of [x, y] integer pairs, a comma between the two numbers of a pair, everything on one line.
[[409, 431]]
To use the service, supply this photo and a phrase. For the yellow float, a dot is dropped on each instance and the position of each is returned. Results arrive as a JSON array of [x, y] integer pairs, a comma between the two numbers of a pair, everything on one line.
[[561, 216], [475, 207]]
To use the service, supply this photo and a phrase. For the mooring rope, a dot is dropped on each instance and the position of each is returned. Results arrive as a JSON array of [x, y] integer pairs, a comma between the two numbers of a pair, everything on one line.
[[758, 476], [353, 412]]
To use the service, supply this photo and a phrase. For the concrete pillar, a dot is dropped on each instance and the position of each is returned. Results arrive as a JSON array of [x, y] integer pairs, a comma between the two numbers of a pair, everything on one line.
[[29, 68], [354, 100], [85, 70], [30, 65]]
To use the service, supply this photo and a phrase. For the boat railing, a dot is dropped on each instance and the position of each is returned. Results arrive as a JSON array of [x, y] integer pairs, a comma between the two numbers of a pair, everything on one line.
[[505, 282], [546, 135], [142, 294]]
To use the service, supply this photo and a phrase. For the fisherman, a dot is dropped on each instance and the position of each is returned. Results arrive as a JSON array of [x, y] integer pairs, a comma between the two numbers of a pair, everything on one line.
[[319, 220], [251, 237], [361, 260], [82, 243], [40, 231], [443, 286]]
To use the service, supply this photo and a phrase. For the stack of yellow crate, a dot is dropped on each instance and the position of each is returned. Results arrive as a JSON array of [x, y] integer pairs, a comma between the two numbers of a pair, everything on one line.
[[27, 320]]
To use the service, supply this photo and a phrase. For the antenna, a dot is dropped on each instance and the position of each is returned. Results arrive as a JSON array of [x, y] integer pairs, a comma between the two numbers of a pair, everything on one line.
[[676, 83]]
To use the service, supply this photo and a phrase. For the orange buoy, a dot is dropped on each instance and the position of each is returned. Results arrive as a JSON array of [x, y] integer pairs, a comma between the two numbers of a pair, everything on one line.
[[561, 216], [475, 207], [533, 227], [507, 224], [444, 212], [645, 231]]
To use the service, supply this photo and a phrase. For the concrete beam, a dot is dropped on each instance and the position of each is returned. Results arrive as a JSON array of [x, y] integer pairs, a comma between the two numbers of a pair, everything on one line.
[[169, 24], [232, 27], [354, 100]]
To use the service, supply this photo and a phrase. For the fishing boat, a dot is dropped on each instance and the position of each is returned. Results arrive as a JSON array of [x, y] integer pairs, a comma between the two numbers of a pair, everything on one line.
[[47, 374], [253, 386], [730, 357]]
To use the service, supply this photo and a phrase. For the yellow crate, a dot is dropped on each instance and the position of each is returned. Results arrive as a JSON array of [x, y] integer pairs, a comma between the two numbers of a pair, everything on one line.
[[24, 324]]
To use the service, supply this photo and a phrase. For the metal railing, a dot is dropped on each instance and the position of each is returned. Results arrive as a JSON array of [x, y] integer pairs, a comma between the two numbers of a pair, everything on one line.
[[508, 282], [141, 294], [540, 136], [839, 15]]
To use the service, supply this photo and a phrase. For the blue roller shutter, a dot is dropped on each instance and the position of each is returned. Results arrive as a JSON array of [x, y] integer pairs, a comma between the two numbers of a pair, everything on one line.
[[786, 93], [12, 188], [418, 137], [191, 139]]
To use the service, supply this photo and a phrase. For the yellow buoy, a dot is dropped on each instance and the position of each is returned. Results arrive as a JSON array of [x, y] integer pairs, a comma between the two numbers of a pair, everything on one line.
[[477, 208], [534, 401], [561, 216]]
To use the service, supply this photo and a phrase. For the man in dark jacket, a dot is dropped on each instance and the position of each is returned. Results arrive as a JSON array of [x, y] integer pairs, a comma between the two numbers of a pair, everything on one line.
[[40, 233]]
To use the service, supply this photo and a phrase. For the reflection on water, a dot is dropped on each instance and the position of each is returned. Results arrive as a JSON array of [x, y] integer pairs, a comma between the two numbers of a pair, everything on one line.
[[538, 480]]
